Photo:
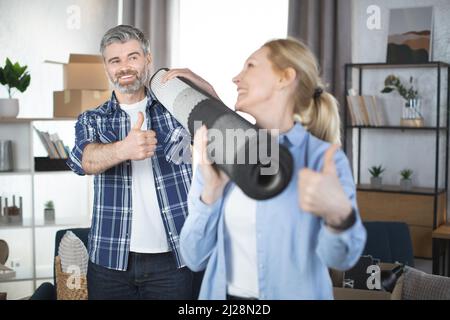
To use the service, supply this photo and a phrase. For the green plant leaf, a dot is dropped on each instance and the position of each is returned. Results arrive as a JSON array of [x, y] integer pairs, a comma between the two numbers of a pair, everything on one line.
[[3, 77], [389, 80], [406, 174], [393, 82], [8, 64], [24, 82], [49, 205], [376, 171], [14, 76], [387, 90], [17, 70]]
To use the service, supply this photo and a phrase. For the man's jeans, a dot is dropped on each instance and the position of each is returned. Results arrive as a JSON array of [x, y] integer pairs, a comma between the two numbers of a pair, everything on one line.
[[149, 276]]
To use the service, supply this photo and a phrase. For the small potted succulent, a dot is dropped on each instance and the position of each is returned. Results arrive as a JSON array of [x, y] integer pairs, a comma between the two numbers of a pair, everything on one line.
[[12, 76], [406, 181], [376, 179], [49, 212]]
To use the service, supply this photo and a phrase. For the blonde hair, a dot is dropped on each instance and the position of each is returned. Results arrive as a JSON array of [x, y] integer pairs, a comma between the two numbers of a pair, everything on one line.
[[317, 112]]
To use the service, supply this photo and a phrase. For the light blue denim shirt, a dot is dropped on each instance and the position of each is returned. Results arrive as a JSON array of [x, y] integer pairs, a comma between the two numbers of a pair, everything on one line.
[[294, 248]]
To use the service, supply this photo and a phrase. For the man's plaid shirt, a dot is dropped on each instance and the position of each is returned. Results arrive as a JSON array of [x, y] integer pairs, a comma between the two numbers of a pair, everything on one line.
[[109, 238]]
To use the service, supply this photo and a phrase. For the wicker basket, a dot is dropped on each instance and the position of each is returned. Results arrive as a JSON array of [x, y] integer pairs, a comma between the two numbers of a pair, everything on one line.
[[64, 292]]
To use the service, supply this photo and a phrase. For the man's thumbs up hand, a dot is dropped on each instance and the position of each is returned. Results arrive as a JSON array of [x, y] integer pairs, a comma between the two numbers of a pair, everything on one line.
[[139, 144], [139, 122], [321, 193]]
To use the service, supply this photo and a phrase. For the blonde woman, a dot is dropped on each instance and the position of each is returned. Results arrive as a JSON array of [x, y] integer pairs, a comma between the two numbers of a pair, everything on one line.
[[279, 248]]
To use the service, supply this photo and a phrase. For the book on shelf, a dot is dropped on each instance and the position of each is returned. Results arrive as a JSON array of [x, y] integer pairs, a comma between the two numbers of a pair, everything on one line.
[[369, 104], [53, 144], [364, 110], [354, 105], [373, 109], [351, 108], [48, 145], [59, 145], [352, 113]]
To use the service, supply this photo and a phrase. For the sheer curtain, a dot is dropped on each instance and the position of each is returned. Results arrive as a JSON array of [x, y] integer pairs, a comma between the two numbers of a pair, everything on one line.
[[153, 18], [325, 26]]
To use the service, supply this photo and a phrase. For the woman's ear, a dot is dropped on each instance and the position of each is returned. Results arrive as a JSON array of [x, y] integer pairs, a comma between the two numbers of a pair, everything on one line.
[[287, 77]]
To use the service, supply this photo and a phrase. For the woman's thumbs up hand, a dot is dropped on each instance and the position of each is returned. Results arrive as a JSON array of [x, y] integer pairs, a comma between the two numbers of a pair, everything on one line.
[[321, 193]]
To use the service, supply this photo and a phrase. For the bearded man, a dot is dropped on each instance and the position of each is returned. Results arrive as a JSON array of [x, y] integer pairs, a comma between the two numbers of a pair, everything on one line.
[[140, 193]]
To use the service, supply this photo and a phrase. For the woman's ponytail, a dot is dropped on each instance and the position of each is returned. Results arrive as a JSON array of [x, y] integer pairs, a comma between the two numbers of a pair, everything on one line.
[[316, 109]]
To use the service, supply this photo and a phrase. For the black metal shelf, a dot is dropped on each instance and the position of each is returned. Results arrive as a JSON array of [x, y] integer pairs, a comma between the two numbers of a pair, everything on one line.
[[28, 120], [16, 172], [381, 65], [397, 189], [45, 164], [15, 279], [398, 128], [439, 131]]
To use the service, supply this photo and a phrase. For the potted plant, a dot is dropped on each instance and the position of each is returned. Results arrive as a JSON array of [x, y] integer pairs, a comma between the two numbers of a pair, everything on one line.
[[406, 181], [411, 115], [12, 76], [376, 179], [49, 212]]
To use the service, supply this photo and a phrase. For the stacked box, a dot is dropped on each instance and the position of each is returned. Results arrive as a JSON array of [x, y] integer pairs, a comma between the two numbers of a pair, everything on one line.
[[86, 86]]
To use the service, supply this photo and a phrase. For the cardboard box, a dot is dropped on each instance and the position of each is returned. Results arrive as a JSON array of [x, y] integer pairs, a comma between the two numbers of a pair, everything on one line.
[[84, 72], [70, 103], [358, 294], [341, 293]]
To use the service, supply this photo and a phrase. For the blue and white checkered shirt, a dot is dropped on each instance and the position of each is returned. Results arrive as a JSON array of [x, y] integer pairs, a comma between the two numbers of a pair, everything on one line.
[[109, 238]]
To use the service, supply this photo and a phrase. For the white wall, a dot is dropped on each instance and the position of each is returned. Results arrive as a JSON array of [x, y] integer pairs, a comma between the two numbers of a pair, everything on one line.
[[31, 32], [370, 45], [34, 31], [398, 150]]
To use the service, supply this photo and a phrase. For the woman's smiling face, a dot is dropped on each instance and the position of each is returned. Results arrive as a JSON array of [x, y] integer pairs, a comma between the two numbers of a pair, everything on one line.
[[256, 83]]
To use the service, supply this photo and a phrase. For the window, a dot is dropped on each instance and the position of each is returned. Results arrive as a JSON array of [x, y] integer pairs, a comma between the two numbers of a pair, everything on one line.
[[214, 38]]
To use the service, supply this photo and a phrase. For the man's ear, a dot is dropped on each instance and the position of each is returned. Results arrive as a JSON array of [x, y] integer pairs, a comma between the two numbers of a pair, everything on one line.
[[149, 58]]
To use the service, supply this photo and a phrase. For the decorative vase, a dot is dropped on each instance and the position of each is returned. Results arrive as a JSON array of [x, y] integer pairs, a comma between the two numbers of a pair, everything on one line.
[[412, 114], [73, 253], [6, 155], [375, 182], [9, 108], [405, 184], [14, 214], [49, 215]]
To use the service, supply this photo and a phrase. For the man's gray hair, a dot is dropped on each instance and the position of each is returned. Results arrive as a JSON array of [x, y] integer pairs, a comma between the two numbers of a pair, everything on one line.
[[123, 33]]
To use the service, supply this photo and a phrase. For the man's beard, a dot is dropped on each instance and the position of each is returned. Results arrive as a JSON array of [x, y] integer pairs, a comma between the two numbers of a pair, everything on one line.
[[140, 81]]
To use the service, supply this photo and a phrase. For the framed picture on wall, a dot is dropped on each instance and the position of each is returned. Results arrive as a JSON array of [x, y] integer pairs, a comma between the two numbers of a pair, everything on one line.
[[410, 35]]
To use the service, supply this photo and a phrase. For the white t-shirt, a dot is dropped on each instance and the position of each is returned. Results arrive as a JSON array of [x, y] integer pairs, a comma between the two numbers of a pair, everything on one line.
[[240, 245], [147, 229]]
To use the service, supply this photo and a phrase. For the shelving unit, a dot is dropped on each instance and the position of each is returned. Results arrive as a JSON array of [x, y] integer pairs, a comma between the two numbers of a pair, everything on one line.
[[397, 128], [32, 241], [397, 189], [423, 208]]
